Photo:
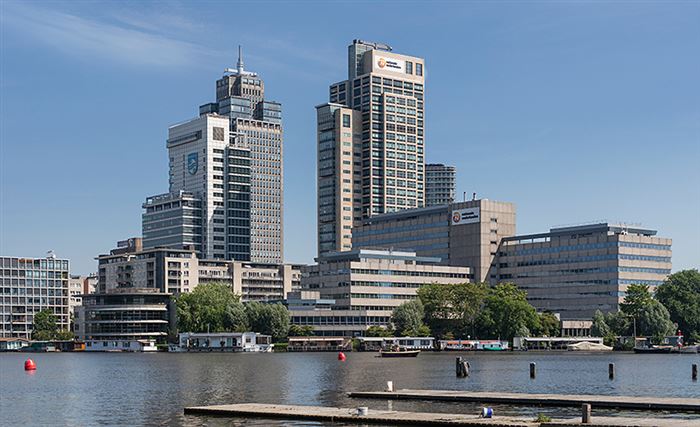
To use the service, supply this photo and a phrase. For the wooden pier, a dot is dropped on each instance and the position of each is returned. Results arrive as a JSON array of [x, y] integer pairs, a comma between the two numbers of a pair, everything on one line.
[[349, 415], [529, 399], [376, 416]]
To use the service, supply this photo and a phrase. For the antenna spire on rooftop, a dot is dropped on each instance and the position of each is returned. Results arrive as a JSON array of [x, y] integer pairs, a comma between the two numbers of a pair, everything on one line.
[[239, 64]]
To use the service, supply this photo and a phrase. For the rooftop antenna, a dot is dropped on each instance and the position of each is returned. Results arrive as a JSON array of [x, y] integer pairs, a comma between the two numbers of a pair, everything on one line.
[[239, 70], [239, 64]]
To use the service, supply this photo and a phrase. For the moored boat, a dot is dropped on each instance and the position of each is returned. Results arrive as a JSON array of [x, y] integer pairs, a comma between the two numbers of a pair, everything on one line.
[[655, 349], [399, 353], [689, 349]]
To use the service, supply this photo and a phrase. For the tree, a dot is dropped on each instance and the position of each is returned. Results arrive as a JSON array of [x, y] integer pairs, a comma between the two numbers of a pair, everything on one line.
[[45, 325], [436, 299], [600, 327], [378, 331], [680, 294], [467, 301], [452, 309], [235, 318], [549, 324], [655, 321], [300, 331], [507, 313], [268, 319], [637, 298], [211, 307], [619, 323], [408, 318]]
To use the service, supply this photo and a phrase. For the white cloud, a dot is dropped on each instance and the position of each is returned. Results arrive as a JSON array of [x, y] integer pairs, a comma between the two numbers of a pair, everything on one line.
[[118, 41]]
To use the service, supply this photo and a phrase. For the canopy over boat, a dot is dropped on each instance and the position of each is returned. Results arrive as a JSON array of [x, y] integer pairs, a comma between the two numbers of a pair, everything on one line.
[[588, 346]]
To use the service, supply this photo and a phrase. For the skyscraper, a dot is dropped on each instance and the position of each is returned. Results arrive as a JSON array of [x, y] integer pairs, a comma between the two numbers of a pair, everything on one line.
[[370, 142], [225, 197], [240, 96], [439, 184]]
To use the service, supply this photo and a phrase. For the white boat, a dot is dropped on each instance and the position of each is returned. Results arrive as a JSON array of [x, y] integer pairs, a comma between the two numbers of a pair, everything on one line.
[[588, 346]]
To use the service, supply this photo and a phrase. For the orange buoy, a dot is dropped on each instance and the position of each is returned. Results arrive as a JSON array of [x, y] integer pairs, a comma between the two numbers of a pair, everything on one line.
[[341, 356], [29, 365]]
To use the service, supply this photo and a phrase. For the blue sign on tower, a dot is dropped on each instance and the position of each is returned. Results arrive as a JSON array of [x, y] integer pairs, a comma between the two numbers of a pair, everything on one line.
[[192, 163]]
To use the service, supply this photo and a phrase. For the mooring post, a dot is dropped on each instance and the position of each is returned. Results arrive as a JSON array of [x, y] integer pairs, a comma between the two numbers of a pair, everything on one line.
[[611, 371], [533, 369], [695, 372], [586, 413]]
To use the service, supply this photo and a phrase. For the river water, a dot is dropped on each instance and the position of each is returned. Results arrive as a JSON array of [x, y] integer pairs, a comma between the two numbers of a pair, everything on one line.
[[137, 389]]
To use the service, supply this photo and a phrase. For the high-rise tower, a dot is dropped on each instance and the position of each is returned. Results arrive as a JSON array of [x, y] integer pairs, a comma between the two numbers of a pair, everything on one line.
[[370, 142], [227, 165], [439, 184]]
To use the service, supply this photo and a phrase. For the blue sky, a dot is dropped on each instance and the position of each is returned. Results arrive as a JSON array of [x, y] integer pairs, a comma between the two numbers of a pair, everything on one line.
[[575, 111]]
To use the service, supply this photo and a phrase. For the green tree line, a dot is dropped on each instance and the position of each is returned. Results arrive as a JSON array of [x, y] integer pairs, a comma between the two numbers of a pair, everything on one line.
[[674, 305], [449, 311], [212, 307]]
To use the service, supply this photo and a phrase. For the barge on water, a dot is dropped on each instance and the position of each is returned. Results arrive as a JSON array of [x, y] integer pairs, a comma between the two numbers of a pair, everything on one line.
[[247, 342]]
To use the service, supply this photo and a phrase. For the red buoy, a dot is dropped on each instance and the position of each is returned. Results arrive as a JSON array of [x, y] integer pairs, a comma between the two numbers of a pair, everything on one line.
[[29, 365], [341, 356]]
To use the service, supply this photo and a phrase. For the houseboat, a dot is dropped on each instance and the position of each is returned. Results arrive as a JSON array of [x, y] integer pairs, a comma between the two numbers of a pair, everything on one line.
[[12, 344], [458, 345], [492, 345], [404, 343], [223, 341], [137, 346], [319, 344]]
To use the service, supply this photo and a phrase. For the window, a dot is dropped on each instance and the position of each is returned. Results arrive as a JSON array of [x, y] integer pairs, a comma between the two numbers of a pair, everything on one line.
[[419, 69], [218, 134], [346, 120], [409, 67]]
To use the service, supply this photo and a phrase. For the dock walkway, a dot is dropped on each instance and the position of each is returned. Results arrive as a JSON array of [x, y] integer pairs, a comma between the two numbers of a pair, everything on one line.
[[347, 415], [375, 416], [596, 401]]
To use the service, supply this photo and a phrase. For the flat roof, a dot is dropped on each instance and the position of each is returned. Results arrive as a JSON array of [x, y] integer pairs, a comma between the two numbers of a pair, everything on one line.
[[602, 227], [356, 254]]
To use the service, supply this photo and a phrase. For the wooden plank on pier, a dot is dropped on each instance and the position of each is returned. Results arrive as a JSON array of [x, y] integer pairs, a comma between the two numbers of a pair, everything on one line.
[[527, 399], [348, 415]]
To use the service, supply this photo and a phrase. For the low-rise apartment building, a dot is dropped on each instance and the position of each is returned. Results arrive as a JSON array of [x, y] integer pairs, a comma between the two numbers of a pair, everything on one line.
[[125, 314], [176, 271], [28, 286]]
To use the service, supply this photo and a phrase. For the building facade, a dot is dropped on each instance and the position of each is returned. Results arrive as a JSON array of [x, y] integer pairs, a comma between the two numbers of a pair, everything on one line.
[[28, 286], [226, 178], [459, 234], [366, 286], [173, 220], [439, 184], [75, 292], [575, 271], [124, 315], [171, 271], [370, 142], [175, 271], [257, 122]]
